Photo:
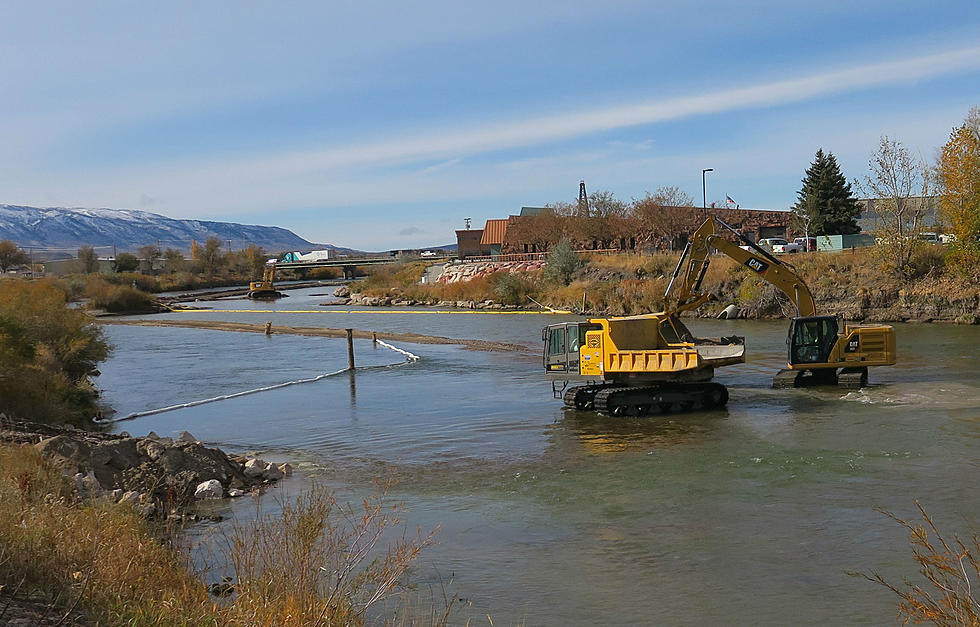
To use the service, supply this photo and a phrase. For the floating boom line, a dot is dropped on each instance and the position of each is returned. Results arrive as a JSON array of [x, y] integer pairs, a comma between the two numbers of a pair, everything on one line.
[[410, 358]]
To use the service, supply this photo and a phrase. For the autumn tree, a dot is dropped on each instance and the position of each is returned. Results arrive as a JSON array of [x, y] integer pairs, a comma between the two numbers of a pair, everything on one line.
[[211, 257], [538, 231], [11, 255], [894, 181], [249, 262], [604, 221], [88, 259], [825, 205], [656, 214], [959, 180], [173, 260]]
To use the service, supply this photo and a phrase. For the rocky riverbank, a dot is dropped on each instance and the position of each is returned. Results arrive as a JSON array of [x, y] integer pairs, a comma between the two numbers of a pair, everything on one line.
[[157, 475], [348, 298]]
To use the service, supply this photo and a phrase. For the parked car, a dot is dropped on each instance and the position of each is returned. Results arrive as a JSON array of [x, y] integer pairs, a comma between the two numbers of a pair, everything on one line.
[[808, 244], [947, 238], [429, 253], [779, 245]]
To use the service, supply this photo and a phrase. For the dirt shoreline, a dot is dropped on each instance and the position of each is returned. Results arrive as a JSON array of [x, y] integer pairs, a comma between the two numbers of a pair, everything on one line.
[[247, 327]]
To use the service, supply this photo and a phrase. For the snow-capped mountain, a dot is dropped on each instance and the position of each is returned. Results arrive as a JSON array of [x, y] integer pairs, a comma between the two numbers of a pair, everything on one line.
[[128, 229]]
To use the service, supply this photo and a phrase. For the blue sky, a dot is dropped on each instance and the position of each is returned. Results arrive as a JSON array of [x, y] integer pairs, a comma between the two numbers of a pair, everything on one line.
[[382, 125]]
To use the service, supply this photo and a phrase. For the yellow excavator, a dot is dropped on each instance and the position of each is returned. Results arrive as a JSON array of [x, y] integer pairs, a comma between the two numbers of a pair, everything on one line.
[[821, 349], [265, 288], [636, 364]]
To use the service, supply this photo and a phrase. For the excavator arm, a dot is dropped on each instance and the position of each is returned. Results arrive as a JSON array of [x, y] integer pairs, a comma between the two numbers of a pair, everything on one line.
[[696, 258]]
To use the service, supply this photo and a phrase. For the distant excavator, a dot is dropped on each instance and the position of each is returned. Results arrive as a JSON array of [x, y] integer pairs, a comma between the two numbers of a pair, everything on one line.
[[634, 364], [266, 288]]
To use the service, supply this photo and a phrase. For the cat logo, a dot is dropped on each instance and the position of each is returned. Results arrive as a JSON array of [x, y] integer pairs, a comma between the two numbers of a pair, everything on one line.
[[757, 265], [853, 346]]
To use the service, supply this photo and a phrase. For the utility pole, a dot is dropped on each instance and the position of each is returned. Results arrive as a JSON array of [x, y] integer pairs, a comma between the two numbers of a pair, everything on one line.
[[704, 193]]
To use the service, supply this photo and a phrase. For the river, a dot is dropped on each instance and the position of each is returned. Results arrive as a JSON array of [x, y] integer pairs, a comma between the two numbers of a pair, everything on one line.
[[748, 515]]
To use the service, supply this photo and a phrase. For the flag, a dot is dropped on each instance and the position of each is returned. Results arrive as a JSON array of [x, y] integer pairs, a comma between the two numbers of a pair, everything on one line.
[[731, 203]]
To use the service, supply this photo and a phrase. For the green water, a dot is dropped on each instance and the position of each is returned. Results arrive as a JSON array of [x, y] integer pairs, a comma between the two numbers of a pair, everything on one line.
[[750, 515]]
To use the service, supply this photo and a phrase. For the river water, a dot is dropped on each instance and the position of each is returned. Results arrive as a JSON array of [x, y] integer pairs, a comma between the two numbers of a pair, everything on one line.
[[748, 515]]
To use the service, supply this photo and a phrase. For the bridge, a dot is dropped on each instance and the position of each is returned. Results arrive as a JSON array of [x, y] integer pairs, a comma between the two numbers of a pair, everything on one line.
[[349, 263]]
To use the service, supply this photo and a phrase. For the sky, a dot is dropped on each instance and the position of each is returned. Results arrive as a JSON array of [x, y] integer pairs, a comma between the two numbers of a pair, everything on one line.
[[382, 125]]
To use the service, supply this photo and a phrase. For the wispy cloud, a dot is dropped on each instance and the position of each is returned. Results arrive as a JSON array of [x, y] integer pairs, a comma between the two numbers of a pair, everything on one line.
[[360, 173], [490, 137]]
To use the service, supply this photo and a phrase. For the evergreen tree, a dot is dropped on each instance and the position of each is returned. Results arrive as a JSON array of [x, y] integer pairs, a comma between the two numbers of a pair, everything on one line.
[[825, 202]]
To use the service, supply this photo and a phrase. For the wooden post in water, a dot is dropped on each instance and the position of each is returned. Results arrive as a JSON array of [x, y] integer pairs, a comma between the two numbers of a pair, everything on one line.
[[374, 338], [350, 349]]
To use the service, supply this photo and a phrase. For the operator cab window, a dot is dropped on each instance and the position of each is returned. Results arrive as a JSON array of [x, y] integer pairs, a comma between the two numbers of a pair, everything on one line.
[[556, 344], [813, 339]]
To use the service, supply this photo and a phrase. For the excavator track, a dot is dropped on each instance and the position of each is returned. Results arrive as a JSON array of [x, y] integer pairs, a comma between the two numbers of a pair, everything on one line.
[[582, 397], [847, 378], [640, 401]]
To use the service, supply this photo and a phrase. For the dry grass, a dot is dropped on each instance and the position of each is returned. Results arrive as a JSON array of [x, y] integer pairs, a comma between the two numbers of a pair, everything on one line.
[[950, 569], [101, 558], [318, 563]]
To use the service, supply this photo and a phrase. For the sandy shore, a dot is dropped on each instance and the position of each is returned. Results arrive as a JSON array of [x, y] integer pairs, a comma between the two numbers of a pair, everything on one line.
[[245, 327]]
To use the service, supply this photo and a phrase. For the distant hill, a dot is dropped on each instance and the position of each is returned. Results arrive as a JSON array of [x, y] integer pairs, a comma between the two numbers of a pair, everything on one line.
[[128, 229]]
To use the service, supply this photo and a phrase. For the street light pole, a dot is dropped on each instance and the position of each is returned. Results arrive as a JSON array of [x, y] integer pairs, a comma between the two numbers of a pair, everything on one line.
[[704, 193]]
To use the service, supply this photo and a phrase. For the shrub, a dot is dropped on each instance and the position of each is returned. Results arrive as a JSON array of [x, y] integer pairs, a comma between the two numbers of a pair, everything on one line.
[[118, 298], [126, 262], [142, 282], [562, 264], [951, 573], [510, 289], [47, 353], [384, 277]]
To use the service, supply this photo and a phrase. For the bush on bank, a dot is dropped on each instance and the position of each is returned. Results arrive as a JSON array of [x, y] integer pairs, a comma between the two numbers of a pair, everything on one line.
[[48, 351]]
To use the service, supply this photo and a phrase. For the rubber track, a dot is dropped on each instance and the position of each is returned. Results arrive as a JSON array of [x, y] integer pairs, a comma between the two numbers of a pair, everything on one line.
[[673, 394], [573, 392]]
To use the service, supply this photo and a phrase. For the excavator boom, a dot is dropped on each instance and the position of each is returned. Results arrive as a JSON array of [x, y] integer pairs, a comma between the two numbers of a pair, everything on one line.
[[712, 234]]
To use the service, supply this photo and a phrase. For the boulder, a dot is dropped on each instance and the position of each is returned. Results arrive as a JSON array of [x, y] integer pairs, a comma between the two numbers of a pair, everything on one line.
[[342, 292], [254, 468], [185, 436], [235, 493], [286, 469], [210, 489], [132, 497], [272, 473]]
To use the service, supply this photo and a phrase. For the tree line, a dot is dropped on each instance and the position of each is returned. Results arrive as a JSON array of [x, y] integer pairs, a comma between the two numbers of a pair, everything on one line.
[[902, 189]]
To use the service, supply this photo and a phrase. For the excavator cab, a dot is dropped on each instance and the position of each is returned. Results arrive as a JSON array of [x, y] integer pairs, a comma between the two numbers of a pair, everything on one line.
[[811, 339], [561, 345]]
